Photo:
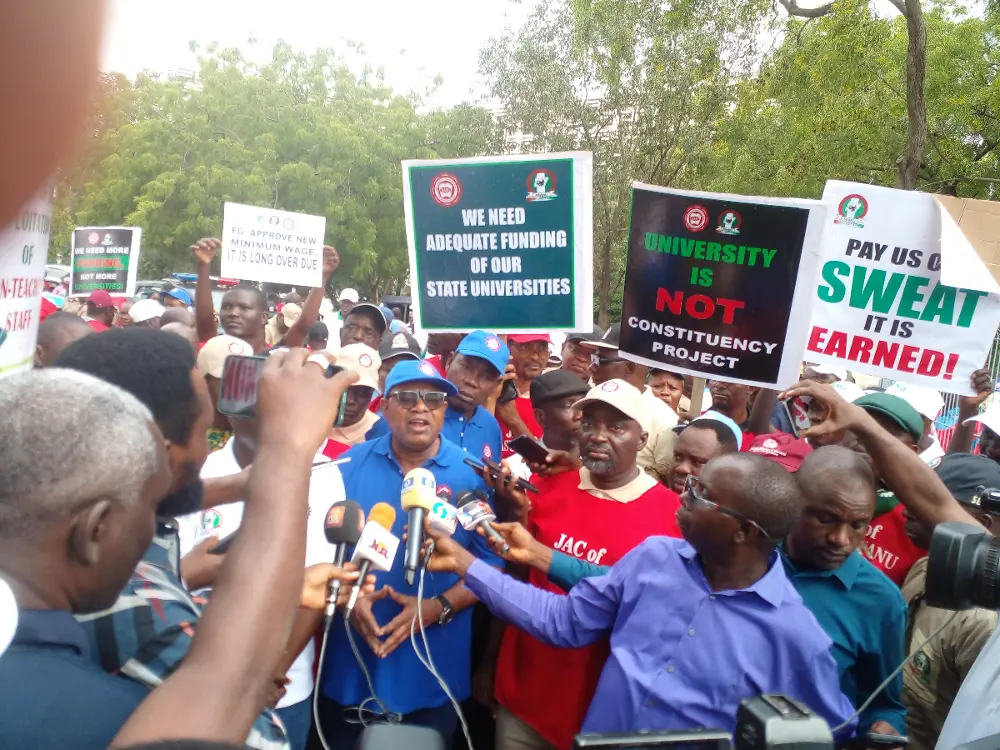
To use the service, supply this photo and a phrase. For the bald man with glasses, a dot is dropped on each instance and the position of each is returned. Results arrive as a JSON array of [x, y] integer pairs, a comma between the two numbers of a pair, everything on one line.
[[726, 622]]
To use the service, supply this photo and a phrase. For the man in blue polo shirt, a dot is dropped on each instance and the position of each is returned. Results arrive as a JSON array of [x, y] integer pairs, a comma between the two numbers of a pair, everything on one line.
[[475, 372], [414, 411]]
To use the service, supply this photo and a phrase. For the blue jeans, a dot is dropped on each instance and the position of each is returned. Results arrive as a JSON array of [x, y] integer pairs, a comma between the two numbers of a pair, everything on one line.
[[342, 735], [297, 719]]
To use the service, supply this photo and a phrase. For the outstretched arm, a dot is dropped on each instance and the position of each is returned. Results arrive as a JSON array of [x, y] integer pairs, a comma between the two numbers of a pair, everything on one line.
[[204, 309], [299, 330]]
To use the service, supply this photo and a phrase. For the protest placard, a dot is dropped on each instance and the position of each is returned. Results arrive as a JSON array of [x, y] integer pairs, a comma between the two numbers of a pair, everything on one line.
[[264, 244], [24, 246], [104, 258], [501, 242], [881, 306], [719, 285]]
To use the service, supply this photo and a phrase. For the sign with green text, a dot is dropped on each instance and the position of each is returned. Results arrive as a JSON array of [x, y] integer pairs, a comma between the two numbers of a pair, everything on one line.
[[104, 258], [902, 294], [719, 285], [502, 243]]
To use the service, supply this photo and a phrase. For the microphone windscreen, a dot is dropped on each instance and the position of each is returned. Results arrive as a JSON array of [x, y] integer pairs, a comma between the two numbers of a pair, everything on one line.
[[383, 514], [344, 522], [465, 496]]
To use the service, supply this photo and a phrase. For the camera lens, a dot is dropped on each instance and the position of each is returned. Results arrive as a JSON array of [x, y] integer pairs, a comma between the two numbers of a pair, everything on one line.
[[963, 568]]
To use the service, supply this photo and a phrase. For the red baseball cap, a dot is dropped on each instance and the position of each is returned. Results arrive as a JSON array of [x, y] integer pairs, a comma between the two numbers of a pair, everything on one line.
[[100, 298], [782, 448], [527, 338]]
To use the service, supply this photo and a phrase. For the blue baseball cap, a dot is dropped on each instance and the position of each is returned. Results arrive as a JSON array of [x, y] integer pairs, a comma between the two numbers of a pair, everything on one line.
[[486, 346], [181, 294], [717, 417], [413, 371]]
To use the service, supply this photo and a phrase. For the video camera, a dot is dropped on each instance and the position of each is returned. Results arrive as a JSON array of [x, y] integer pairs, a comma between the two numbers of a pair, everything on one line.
[[963, 564]]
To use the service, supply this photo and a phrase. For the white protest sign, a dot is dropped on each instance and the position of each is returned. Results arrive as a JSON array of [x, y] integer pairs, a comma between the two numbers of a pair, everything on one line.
[[263, 244], [24, 247], [881, 307]]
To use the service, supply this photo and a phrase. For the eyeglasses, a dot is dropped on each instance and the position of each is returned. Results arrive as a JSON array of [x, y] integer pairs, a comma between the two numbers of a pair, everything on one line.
[[692, 496], [433, 400]]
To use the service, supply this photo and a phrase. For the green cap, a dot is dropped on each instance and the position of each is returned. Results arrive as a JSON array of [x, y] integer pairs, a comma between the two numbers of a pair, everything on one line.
[[895, 409]]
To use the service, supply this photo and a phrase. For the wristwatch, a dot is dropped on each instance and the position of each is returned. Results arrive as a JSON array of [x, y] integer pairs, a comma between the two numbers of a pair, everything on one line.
[[447, 613]]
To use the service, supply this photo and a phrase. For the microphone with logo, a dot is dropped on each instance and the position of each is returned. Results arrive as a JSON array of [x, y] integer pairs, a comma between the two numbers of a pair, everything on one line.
[[375, 549], [475, 512], [418, 496], [343, 526]]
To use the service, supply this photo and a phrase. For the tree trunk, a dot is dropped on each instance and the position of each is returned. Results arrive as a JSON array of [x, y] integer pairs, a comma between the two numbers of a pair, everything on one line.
[[604, 283], [908, 164]]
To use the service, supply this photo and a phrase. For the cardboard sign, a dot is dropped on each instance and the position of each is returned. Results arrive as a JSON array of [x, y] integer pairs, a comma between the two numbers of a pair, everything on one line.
[[719, 285], [882, 306], [24, 247], [503, 243], [264, 244], [104, 258]]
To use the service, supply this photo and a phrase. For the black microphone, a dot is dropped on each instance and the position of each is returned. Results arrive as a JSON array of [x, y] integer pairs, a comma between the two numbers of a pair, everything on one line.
[[343, 525]]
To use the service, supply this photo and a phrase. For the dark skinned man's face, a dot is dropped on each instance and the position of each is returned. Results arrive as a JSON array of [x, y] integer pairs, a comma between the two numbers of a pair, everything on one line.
[[729, 398], [668, 388], [475, 378], [833, 525], [609, 440], [577, 360], [240, 313], [710, 532], [356, 403], [611, 368], [360, 327], [560, 418], [529, 358], [693, 449], [416, 427]]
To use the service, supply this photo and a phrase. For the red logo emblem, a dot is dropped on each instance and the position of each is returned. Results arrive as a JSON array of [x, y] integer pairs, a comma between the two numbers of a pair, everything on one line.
[[365, 361], [487, 452], [446, 190], [609, 386], [696, 218], [93, 238], [493, 343], [427, 368]]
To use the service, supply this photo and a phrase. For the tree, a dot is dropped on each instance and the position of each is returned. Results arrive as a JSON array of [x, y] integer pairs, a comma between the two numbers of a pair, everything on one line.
[[908, 163], [831, 103], [301, 133], [640, 83]]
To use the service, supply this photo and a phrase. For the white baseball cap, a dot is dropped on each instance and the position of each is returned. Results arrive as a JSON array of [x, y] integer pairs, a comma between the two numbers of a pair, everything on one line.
[[989, 418], [349, 295], [212, 357], [622, 396], [925, 400], [847, 390], [145, 309], [363, 360]]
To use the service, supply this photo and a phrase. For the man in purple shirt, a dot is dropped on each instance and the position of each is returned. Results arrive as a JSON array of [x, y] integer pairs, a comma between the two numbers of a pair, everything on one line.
[[696, 625]]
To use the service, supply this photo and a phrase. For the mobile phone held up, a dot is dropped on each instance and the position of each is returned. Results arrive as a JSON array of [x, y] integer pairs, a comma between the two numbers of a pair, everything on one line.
[[508, 392], [529, 449], [238, 388]]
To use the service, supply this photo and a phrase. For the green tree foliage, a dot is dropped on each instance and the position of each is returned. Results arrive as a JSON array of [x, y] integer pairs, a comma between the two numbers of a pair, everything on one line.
[[639, 83], [300, 133], [830, 103]]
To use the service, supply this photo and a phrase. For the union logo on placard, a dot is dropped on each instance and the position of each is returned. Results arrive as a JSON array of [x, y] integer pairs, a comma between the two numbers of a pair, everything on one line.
[[729, 223], [446, 190], [541, 186], [93, 238], [288, 224], [851, 210], [696, 218]]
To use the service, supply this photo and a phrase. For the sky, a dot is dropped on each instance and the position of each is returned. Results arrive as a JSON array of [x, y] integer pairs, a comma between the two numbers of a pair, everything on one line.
[[414, 41]]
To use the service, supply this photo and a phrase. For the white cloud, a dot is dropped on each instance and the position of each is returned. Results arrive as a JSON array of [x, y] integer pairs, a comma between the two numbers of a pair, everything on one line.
[[413, 41]]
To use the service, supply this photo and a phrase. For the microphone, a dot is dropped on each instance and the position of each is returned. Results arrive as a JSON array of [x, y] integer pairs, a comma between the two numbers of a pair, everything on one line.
[[443, 517], [474, 512], [375, 549], [343, 526], [417, 497]]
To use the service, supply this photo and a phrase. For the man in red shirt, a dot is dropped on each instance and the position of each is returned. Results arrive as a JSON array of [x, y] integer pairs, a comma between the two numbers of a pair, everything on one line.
[[597, 513], [529, 354], [734, 400], [441, 348], [888, 547], [100, 310]]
